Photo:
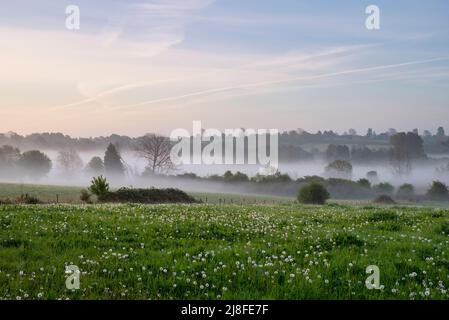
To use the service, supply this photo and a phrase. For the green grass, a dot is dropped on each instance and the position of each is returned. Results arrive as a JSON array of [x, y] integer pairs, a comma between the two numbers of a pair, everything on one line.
[[47, 193], [223, 252], [64, 194]]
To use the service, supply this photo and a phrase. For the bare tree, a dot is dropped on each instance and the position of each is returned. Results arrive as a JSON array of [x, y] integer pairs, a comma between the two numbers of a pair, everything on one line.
[[69, 161], [156, 150]]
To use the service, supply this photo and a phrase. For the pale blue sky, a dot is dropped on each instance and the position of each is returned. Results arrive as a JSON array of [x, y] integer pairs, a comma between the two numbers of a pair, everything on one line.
[[140, 66]]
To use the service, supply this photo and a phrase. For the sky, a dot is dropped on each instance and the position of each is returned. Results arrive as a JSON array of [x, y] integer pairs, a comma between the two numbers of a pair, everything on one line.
[[140, 66]]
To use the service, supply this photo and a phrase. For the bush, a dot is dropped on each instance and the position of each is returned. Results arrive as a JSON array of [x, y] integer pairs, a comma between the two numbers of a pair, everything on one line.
[[237, 177], [272, 178], [384, 188], [364, 183], [314, 193], [406, 191], [99, 187], [347, 189], [149, 196], [384, 199], [438, 192], [85, 196]]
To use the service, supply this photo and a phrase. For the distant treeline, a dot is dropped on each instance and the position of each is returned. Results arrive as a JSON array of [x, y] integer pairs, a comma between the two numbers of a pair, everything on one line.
[[293, 145], [283, 185]]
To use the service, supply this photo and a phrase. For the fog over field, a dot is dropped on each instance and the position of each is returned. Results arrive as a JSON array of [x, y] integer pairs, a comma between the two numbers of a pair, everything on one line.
[[421, 175]]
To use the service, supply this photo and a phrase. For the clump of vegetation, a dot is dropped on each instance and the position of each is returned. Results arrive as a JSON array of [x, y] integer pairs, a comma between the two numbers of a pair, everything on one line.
[[228, 177], [444, 228], [85, 196], [314, 193], [27, 199], [391, 226], [364, 183], [438, 192], [384, 188], [347, 240], [384, 199], [99, 187], [339, 169], [406, 191], [277, 177], [346, 189], [148, 196], [383, 216]]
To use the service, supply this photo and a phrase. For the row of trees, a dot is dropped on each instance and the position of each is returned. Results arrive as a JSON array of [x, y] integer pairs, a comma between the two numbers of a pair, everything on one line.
[[35, 164], [290, 142], [30, 163], [405, 149]]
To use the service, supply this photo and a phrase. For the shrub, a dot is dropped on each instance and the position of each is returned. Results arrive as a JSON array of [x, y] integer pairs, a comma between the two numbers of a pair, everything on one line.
[[85, 196], [188, 175], [237, 177], [272, 178], [384, 199], [312, 179], [406, 191], [346, 189], [364, 183], [384, 188], [438, 191], [153, 195], [314, 193], [99, 187]]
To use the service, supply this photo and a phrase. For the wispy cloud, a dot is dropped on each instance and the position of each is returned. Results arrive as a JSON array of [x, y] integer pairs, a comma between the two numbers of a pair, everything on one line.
[[171, 8], [135, 57], [280, 82]]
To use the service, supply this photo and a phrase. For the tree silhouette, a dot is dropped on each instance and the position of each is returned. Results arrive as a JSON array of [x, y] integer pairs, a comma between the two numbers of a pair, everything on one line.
[[113, 163]]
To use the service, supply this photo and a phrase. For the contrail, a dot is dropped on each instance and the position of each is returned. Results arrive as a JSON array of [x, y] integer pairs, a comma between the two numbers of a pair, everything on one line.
[[144, 84], [112, 91], [266, 83]]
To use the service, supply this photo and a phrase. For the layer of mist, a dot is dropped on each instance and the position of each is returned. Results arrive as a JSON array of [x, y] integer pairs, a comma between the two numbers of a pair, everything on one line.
[[421, 175]]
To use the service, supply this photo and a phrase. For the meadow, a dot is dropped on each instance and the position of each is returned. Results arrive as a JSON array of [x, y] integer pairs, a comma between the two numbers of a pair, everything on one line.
[[71, 194], [208, 251]]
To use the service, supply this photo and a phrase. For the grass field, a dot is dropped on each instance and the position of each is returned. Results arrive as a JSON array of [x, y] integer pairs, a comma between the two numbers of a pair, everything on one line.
[[64, 194], [223, 252]]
